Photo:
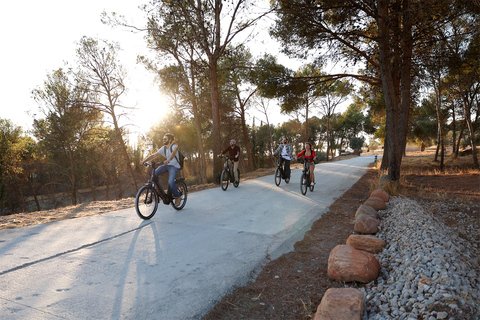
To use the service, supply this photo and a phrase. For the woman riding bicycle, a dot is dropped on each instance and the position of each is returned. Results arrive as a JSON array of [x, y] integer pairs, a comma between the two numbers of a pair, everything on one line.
[[309, 155]]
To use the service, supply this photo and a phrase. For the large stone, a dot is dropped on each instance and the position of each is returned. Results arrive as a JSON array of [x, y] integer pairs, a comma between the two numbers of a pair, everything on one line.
[[340, 304], [366, 224], [376, 203], [363, 209], [382, 194], [366, 243], [347, 264]]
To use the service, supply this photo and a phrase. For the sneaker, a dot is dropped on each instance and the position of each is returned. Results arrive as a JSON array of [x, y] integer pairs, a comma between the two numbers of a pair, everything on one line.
[[177, 201], [312, 183], [287, 180]]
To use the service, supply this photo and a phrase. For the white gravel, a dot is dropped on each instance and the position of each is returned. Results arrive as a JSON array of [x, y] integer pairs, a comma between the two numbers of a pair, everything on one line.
[[430, 266]]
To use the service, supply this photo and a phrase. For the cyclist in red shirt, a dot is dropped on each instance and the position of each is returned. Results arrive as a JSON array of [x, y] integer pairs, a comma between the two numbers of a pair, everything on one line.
[[309, 156], [234, 153]]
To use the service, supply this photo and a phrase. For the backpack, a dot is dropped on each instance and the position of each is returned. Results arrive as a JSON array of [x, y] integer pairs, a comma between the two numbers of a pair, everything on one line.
[[180, 158]]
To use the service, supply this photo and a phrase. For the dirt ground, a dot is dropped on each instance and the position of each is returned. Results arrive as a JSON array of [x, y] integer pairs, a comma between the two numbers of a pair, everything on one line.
[[292, 286]]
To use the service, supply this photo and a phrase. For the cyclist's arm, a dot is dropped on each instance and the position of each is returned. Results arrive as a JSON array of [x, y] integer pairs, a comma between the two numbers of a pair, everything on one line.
[[150, 157], [301, 154], [238, 153]]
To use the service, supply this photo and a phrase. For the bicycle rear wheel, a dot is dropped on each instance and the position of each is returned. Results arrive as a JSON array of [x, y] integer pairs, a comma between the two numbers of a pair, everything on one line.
[[224, 180], [303, 183], [146, 202], [182, 188], [278, 176], [237, 182]]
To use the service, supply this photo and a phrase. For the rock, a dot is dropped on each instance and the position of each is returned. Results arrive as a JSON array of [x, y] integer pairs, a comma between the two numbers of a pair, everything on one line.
[[340, 304], [366, 224], [376, 203], [363, 209], [366, 243], [380, 193], [347, 264]]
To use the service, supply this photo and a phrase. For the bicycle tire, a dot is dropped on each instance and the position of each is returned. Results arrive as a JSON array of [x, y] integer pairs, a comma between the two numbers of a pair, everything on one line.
[[224, 180], [278, 176], [182, 188], [237, 183], [303, 183], [146, 202]]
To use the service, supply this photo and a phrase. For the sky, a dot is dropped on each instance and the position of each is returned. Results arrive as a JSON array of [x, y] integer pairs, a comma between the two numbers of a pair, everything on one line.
[[38, 37]]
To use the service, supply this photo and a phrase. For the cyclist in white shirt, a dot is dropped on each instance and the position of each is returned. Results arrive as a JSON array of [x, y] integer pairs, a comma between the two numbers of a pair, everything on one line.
[[286, 156], [170, 165]]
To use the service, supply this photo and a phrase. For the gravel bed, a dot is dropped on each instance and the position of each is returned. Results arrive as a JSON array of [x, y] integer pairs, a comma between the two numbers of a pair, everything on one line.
[[430, 266]]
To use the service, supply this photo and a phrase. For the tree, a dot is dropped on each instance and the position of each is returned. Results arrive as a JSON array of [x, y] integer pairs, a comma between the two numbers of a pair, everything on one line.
[[103, 75], [379, 34], [14, 148], [332, 94], [210, 27], [67, 121]]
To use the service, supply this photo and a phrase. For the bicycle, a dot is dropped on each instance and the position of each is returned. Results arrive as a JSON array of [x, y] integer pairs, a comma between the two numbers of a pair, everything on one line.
[[227, 175], [280, 174], [149, 195], [305, 183]]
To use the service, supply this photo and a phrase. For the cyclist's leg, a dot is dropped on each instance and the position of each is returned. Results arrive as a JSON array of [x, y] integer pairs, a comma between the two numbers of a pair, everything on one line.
[[235, 168], [172, 174], [282, 165], [287, 168], [160, 170], [312, 174]]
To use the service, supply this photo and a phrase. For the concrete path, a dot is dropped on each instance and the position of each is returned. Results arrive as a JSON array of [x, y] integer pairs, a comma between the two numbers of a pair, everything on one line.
[[174, 266]]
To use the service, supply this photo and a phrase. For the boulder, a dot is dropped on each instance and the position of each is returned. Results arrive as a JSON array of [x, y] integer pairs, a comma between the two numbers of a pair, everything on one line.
[[364, 209], [347, 264], [382, 194], [366, 224], [376, 203], [366, 243], [340, 304]]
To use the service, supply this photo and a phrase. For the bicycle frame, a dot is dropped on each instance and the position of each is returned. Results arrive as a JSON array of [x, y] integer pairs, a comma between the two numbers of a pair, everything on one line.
[[165, 196], [227, 166]]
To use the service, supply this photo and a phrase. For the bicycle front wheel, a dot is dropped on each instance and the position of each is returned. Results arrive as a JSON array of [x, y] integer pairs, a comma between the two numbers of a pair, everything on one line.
[[224, 180], [303, 184], [182, 188], [237, 182], [278, 176], [146, 202]]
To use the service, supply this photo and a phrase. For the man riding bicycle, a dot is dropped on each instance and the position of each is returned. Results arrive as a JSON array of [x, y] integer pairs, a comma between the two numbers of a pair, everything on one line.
[[169, 151], [234, 154], [286, 156]]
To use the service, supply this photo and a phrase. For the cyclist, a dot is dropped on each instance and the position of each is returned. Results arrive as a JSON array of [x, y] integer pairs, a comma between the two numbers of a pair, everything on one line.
[[309, 155], [234, 154], [169, 151], [286, 156]]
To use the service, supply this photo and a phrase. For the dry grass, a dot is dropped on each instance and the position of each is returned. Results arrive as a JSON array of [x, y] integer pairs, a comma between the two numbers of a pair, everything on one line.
[[421, 177]]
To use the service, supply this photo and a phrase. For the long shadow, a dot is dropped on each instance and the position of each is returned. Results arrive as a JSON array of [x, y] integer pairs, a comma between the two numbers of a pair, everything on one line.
[[117, 305]]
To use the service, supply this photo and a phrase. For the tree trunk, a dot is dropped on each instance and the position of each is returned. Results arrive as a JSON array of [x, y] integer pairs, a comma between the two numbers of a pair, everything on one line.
[[251, 167], [123, 149], [217, 165], [73, 177], [471, 130]]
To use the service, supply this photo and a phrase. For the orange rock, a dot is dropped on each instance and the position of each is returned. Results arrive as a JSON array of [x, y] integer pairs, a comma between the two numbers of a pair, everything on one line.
[[376, 203], [347, 264], [366, 224], [340, 304], [382, 194], [363, 209], [366, 243]]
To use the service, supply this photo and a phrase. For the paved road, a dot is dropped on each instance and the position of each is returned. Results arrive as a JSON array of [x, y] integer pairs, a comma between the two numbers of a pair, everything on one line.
[[174, 266]]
